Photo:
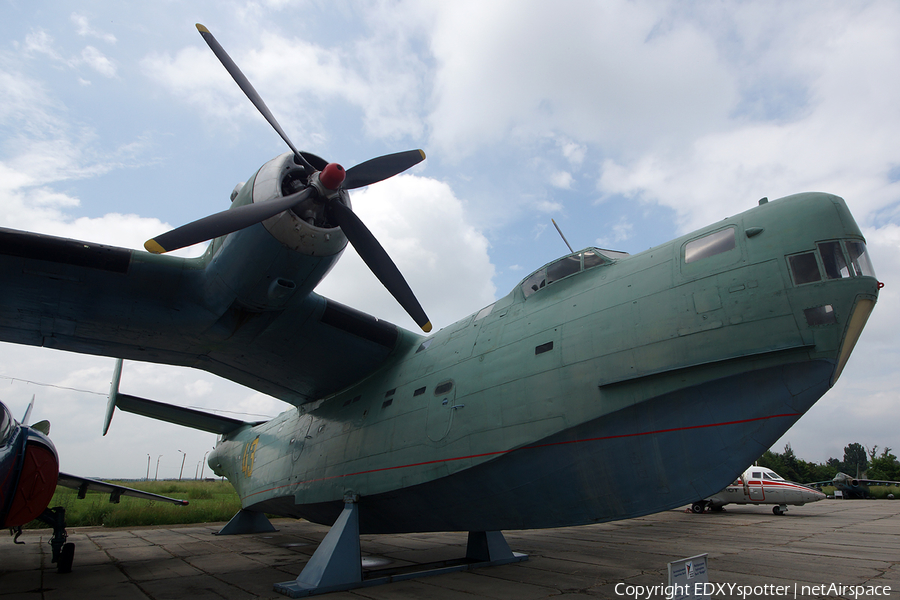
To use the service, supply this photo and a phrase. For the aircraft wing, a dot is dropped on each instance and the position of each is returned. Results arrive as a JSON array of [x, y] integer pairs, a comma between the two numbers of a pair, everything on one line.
[[84, 485], [103, 300], [877, 482]]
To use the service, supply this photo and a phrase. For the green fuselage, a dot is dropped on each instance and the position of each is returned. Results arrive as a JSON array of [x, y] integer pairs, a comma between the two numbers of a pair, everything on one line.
[[602, 387]]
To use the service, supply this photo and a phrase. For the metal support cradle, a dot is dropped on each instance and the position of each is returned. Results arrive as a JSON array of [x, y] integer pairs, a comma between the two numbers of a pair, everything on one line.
[[337, 563]]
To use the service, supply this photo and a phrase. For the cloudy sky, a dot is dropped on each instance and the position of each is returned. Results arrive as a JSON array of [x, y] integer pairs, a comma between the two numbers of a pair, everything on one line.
[[627, 122]]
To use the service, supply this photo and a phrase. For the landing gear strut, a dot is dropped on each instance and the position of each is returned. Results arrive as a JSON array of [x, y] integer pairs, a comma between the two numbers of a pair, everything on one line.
[[63, 553]]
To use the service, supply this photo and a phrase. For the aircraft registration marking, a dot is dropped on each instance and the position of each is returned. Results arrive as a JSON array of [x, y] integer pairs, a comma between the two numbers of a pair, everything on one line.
[[529, 447]]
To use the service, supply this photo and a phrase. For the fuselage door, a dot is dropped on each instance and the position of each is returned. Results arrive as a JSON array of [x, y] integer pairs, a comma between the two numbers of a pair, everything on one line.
[[441, 406], [755, 486]]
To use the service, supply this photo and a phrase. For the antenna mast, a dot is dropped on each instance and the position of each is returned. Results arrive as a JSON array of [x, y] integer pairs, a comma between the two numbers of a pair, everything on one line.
[[562, 236]]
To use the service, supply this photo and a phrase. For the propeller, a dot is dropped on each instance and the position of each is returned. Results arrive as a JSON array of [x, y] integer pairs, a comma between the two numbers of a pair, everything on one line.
[[324, 187]]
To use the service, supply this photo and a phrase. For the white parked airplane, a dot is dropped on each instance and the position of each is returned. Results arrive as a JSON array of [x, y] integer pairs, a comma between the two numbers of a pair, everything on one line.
[[759, 485]]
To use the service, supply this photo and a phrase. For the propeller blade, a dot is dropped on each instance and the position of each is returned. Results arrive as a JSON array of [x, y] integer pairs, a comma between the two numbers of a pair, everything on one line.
[[223, 223], [378, 169], [378, 261], [249, 90]]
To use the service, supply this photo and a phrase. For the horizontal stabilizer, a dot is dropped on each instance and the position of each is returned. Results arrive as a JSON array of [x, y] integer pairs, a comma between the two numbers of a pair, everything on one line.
[[188, 417], [84, 485], [169, 413]]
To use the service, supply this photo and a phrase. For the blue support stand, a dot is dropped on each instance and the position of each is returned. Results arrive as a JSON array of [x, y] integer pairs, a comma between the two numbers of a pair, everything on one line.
[[247, 521], [337, 563]]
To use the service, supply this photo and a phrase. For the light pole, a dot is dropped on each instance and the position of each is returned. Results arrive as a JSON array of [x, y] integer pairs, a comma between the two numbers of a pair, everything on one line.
[[156, 477], [203, 464], [148, 469], [180, 473]]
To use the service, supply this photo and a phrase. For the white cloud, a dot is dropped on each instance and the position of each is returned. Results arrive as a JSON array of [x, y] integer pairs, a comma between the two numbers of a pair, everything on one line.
[[97, 61], [84, 29], [621, 232], [289, 72], [561, 179], [832, 145], [423, 227], [610, 76]]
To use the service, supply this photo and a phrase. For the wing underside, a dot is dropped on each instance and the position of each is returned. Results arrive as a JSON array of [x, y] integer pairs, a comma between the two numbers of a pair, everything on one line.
[[108, 301]]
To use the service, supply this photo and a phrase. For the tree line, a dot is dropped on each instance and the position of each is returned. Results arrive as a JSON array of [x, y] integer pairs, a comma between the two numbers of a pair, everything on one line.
[[858, 462]]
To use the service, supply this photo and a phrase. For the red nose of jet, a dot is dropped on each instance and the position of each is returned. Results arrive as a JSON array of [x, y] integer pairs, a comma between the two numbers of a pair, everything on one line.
[[332, 176]]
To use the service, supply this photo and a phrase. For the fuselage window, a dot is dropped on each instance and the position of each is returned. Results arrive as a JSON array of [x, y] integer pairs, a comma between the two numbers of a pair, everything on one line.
[[833, 260], [709, 245], [443, 388], [484, 312], [820, 315], [804, 268]]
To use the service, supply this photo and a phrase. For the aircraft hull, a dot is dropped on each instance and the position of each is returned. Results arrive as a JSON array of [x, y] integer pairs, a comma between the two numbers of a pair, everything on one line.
[[595, 472]]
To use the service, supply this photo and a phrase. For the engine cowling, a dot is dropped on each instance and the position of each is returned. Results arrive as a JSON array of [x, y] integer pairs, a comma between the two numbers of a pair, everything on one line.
[[306, 228], [265, 268]]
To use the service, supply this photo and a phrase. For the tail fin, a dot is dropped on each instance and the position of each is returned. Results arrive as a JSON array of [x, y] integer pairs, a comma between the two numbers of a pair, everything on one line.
[[28, 411]]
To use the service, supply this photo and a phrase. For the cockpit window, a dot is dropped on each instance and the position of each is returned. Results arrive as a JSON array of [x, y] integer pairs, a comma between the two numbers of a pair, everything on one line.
[[859, 258], [6, 424], [833, 260], [709, 245], [563, 268], [536, 281], [835, 263], [804, 268], [592, 259], [566, 266]]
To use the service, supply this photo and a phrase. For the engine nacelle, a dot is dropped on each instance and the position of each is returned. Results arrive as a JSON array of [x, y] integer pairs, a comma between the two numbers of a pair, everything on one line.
[[265, 268]]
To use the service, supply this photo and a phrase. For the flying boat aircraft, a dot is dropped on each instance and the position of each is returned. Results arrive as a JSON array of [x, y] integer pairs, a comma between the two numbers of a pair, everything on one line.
[[759, 485], [604, 386]]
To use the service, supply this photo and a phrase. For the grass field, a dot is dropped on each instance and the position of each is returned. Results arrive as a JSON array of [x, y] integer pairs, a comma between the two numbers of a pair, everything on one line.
[[209, 501]]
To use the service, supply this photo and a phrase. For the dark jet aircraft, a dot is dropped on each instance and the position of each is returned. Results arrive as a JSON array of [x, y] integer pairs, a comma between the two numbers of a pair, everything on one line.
[[853, 487], [29, 474], [604, 386]]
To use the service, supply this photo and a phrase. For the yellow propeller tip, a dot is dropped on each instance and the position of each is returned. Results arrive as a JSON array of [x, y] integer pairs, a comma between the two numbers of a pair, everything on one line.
[[426, 327], [202, 29], [422, 152], [152, 246]]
